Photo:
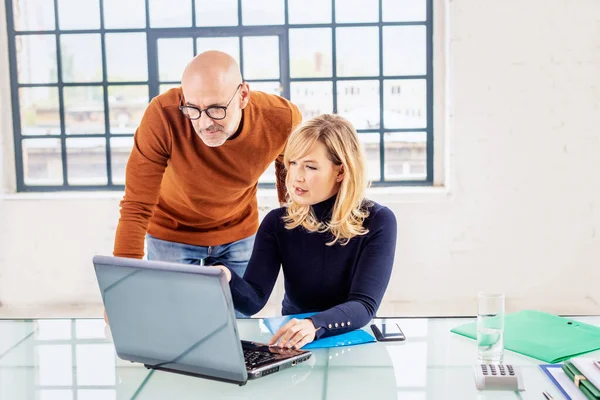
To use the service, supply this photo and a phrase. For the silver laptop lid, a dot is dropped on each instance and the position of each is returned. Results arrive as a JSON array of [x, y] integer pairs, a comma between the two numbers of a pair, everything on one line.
[[171, 315]]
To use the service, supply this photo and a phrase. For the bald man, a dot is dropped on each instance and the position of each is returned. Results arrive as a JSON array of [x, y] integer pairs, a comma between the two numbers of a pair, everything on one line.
[[192, 176]]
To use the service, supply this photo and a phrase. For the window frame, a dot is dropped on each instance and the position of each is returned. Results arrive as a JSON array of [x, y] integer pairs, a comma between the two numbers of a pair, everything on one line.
[[152, 34]]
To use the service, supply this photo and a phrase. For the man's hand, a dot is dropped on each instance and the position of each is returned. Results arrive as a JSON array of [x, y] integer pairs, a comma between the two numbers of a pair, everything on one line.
[[225, 270], [295, 334]]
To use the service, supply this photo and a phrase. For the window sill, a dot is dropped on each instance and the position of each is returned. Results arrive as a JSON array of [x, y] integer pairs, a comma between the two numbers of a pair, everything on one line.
[[266, 197]]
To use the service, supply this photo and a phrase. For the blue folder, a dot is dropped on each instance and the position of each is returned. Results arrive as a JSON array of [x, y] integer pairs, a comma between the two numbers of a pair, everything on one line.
[[345, 339], [546, 368]]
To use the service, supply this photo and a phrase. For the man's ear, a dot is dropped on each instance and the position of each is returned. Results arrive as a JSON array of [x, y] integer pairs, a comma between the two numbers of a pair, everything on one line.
[[244, 93]]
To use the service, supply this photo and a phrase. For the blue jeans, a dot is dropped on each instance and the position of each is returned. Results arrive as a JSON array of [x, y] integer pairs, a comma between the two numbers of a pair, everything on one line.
[[234, 255]]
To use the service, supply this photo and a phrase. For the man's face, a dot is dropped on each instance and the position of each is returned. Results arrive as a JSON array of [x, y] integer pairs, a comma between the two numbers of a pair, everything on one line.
[[212, 128]]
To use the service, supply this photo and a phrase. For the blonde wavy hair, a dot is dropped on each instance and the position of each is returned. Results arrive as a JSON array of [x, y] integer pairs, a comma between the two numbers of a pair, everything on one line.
[[343, 148]]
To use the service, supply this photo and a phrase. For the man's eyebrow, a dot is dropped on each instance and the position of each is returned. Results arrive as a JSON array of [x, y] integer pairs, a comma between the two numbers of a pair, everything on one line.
[[187, 103]]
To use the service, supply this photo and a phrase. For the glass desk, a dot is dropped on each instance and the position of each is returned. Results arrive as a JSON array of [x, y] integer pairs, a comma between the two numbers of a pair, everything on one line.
[[74, 359]]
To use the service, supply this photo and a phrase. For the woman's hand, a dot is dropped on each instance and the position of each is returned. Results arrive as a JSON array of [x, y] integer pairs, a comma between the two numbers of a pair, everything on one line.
[[225, 270], [295, 334]]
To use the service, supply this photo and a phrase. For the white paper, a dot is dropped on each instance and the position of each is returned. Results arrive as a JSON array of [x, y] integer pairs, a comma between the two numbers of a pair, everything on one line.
[[567, 384]]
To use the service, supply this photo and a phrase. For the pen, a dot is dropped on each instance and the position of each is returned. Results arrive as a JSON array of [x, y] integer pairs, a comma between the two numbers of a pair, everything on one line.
[[548, 396]]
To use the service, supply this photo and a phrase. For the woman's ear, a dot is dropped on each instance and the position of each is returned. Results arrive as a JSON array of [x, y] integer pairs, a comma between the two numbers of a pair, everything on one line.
[[340, 175]]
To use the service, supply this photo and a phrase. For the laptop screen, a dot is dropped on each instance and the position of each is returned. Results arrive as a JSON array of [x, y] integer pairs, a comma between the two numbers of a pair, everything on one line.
[[170, 315]]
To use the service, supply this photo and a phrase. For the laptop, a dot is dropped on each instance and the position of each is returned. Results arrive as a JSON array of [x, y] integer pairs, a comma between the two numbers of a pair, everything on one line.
[[180, 318]]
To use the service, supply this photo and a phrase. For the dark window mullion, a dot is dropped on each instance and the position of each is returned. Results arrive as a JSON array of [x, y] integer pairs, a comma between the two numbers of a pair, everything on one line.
[[14, 79], [61, 100], [284, 55], [151, 54], [241, 38], [429, 96], [381, 93], [72, 136], [105, 97], [333, 58]]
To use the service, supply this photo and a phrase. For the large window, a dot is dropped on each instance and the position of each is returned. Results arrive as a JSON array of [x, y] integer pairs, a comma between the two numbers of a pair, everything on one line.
[[83, 71]]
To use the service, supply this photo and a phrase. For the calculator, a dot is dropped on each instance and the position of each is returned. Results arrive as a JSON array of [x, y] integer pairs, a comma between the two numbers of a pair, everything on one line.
[[498, 377]]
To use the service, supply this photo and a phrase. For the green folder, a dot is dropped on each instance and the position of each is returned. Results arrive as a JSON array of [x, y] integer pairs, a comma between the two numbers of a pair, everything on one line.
[[547, 337], [590, 391]]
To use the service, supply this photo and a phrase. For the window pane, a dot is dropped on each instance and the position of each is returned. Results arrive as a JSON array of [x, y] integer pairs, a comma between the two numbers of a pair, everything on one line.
[[404, 50], [124, 14], [55, 365], [264, 12], [55, 394], [84, 109], [404, 10], [78, 14], [261, 57], [166, 13], [95, 365], [86, 162], [312, 98], [33, 15], [36, 58], [81, 56], [358, 101], [309, 11], [42, 162], [229, 45], [349, 62], [173, 56], [39, 111], [405, 155], [212, 13], [126, 57], [356, 11], [120, 149], [90, 328], [405, 103], [310, 53], [97, 394], [370, 144], [273, 87], [126, 106], [269, 175], [59, 329], [164, 88]]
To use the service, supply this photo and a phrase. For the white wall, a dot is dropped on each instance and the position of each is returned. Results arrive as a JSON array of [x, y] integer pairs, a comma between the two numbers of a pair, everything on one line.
[[523, 211]]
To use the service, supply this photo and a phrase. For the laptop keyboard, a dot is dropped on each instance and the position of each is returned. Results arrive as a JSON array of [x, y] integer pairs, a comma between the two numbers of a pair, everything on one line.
[[255, 358]]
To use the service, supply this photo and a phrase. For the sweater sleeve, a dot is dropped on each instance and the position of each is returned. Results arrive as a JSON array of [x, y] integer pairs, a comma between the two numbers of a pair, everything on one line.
[[251, 293], [143, 176], [369, 282]]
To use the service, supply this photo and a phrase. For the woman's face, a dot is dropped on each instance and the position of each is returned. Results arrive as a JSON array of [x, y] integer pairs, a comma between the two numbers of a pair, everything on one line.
[[314, 178]]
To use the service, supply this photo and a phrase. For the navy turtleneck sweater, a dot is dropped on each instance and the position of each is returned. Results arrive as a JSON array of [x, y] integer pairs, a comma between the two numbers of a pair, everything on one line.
[[343, 284]]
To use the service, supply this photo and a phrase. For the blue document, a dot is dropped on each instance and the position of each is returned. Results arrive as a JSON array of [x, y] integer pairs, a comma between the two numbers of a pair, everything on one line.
[[346, 339]]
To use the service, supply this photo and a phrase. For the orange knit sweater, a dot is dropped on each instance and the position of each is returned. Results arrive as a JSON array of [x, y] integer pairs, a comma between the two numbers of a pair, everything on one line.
[[180, 190]]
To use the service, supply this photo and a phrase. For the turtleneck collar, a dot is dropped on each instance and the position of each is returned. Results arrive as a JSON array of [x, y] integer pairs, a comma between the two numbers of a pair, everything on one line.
[[323, 209]]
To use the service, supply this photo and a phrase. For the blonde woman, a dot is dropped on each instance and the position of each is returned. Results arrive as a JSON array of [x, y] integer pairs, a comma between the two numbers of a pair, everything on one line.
[[335, 247]]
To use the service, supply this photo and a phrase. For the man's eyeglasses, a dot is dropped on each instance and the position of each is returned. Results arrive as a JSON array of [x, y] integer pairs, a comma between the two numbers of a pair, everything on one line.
[[213, 112]]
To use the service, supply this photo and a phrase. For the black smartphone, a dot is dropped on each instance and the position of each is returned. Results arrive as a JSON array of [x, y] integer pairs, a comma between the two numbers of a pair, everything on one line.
[[387, 331]]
